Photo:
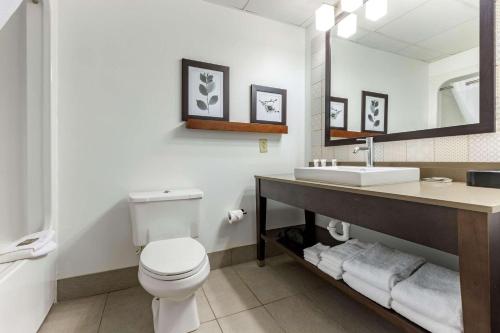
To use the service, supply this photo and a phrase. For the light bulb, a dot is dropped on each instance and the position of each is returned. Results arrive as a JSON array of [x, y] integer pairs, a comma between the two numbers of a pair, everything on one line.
[[351, 5], [348, 26], [325, 17], [376, 9]]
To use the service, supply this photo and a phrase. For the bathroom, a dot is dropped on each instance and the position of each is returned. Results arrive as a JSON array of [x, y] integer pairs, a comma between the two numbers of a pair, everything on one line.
[[96, 122]]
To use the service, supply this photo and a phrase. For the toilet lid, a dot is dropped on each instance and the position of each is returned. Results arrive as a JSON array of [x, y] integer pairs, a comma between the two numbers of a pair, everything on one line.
[[173, 256]]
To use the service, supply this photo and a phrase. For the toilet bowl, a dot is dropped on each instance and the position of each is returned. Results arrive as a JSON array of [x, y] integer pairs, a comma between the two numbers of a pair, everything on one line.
[[173, 265], [172, 270]]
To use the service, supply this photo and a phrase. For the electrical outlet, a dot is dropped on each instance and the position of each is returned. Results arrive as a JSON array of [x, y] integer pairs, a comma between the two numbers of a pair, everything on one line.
[[263, 145]]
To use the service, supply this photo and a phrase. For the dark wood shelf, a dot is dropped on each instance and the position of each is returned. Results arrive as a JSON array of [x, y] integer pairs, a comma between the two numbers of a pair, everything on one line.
[[296, 251], [335, 133], [215, 125]]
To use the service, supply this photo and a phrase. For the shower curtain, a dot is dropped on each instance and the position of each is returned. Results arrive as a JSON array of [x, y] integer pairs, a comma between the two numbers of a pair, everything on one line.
[[467, 97]]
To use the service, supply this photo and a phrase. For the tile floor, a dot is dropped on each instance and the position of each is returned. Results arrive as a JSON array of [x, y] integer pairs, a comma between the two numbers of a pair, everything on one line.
[[280, 297]]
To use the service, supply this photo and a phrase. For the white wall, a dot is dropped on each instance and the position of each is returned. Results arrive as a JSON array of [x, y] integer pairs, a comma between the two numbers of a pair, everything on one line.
[[13, 126], [356, 68], [119, 119]]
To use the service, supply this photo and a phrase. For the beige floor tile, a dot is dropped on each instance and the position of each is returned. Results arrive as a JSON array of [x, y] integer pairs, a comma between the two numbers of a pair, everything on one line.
[[297, 314], [209, 327], [255, 320], [352, 316], [204, 310], [128, 311], [227, 294], [295, 274], [77, 316], [264, 282], [281, 277]]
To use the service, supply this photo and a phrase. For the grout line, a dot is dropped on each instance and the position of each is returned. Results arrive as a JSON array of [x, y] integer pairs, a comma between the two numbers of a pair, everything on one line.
[[274, 319], [232, 314], [246, 285], [208, 301], [102, 312], [253, 307], [216, 320]]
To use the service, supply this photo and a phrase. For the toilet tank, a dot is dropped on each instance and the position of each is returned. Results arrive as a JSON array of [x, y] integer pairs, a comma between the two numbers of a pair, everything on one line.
[[164, 214]]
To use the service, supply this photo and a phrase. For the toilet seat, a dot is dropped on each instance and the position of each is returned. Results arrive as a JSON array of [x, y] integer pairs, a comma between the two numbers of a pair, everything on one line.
[[175, 276], [173, 259]]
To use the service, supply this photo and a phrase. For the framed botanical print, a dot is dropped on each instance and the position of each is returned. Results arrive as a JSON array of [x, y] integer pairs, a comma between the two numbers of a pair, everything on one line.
[[374, 112], [205, 91], [268, 105], [337, 118]]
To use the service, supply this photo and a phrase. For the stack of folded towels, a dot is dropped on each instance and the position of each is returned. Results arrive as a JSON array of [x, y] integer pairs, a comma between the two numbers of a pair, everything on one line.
[[332, 259], [376, 270], [29, 247], [431, 299], [312, 253]]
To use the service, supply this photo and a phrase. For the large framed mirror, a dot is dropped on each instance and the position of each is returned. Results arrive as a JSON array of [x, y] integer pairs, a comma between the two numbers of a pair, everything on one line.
[[424, 69]]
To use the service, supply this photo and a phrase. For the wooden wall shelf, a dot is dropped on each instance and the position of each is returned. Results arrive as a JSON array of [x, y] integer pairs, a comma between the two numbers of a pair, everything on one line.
[[350, 134], [216, 125]]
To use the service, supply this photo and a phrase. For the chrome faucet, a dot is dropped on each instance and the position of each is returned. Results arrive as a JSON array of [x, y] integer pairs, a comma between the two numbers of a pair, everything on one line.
[[369, 150]]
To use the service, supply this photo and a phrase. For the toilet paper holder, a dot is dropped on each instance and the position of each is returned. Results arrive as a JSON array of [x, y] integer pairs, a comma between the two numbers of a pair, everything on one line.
[[236, 215]]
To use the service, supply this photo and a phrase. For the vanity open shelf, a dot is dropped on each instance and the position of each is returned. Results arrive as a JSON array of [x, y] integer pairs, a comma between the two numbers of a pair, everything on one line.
[[318, 234], [453, 218], [216, 125]]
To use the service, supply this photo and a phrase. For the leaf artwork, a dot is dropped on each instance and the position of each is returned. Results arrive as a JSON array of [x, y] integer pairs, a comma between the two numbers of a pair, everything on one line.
[[269, 105], [374, 113], [206, 87], [201, 105], [213, 100]]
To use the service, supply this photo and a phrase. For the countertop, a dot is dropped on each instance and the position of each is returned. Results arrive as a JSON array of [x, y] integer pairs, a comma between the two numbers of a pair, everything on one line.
[[454, 195]]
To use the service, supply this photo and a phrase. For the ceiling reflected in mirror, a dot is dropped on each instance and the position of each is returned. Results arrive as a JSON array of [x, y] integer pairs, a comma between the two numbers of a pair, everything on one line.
[[390, 65]]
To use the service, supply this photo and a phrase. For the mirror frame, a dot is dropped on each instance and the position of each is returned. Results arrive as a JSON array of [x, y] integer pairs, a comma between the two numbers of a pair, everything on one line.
[[487, 80]]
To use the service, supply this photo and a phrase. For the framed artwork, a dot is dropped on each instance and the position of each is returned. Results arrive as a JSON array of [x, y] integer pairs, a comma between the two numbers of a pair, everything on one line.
[[337, 118], [205, 91], [374, 112], [268, 105]]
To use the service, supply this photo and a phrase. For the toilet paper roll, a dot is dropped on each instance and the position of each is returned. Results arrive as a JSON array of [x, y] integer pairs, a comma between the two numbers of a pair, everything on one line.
[[236, 215]]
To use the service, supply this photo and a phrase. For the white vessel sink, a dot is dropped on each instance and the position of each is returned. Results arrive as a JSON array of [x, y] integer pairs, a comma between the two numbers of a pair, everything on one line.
[[358, 176]]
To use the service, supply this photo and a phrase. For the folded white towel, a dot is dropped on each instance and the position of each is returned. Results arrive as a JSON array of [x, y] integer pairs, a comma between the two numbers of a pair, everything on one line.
[[426, 322], [433, 292], [32, 242], [315, 262], [335, 256], [380, 296], [336, 274], [382, 267], [312, 253], [316, 249], [28, 253]]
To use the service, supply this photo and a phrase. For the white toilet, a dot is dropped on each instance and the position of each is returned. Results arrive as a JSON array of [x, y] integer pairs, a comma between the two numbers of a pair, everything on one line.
[[173, 265]]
